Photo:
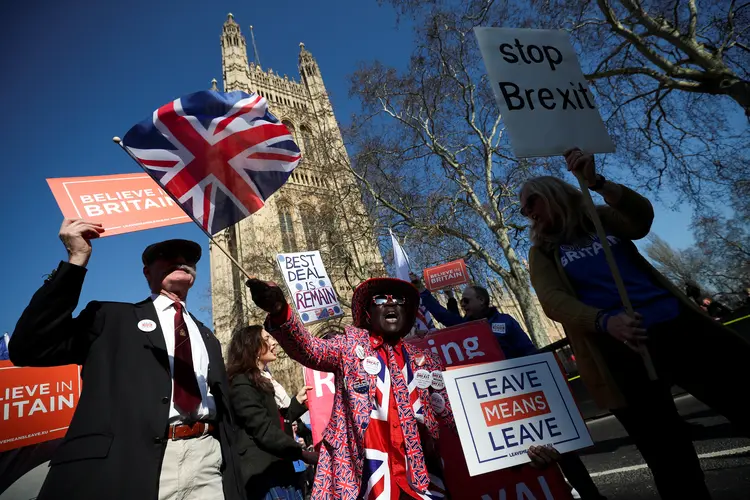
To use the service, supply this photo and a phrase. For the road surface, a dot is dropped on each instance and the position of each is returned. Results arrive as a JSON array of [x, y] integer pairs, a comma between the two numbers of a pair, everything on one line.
[[619, 471]]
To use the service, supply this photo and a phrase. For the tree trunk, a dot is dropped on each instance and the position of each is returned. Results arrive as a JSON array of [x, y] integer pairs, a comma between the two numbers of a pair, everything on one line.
[[518, 282], [531, 314]]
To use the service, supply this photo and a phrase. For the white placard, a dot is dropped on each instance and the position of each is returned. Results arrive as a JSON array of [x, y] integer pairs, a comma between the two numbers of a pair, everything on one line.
[[503, 408], [312, 293], [542, 93]]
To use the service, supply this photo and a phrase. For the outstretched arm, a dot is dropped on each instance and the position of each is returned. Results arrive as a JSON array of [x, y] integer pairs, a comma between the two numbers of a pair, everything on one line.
[[319, 354]]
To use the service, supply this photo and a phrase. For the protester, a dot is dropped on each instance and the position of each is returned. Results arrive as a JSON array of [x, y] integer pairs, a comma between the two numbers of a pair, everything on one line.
[[715, 309], [693, 291], [267, 452], [151, 421], [384, 310], [475, 302], [515, 343], [362, 440], [575, 287]]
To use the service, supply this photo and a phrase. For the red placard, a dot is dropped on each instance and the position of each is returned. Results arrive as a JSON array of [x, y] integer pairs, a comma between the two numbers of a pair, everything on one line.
[[319, 400], [466, 344], [450, 274], [122, 203], [515, 483], [36, 404]]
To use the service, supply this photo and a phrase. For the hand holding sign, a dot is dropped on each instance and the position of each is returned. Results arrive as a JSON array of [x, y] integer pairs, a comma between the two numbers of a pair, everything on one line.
[[267, 295], [543, 456], [302, 394], [626, 329], [581, 164], [76, 235]]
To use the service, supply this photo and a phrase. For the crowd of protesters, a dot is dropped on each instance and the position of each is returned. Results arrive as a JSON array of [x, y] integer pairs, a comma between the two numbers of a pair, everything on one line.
[[161, 417]]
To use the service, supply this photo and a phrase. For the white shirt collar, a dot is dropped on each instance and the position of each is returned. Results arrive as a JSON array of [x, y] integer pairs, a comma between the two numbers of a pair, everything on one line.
[[162, 302]]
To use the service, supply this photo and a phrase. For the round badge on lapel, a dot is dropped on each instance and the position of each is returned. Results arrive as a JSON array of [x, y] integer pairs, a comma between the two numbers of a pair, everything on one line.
[[360, 352], [437, 380], [372, 365], [423, 379], [420, 360], [147, 325], [438, 402]]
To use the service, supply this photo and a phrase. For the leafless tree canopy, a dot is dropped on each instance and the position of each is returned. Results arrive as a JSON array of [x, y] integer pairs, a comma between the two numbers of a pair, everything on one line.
[[671, 79], [431, 152]]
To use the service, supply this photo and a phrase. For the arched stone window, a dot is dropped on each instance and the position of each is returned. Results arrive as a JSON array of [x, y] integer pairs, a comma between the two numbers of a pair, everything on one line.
[[307, 142], [311, 226], [286, 227], [289, 125]]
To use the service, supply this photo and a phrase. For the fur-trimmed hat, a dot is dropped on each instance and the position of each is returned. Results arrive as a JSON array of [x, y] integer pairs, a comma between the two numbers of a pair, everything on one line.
[[388, 286]]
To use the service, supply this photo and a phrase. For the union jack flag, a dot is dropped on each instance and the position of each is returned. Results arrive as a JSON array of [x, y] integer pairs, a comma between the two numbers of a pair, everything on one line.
[[376, 473], [220, 155]]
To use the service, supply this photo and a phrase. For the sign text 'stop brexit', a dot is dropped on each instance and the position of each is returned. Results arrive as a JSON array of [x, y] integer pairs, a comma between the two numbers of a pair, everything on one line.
[[541, 92]]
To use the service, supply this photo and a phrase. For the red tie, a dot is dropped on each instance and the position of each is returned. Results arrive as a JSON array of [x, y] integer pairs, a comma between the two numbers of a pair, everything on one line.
[[187, 395]]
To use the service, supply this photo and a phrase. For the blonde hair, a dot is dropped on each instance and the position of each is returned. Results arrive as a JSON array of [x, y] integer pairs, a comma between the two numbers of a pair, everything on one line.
[[564, 203]]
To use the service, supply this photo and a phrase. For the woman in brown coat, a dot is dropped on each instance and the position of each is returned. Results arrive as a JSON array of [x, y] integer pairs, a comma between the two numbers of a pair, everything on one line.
[[575, 287]]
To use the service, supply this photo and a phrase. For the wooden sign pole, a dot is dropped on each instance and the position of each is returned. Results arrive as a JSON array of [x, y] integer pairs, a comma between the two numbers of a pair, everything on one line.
[[642, 349]]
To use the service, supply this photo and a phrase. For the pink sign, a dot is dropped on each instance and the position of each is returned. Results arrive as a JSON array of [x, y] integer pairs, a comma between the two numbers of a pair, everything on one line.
[[319, 400]]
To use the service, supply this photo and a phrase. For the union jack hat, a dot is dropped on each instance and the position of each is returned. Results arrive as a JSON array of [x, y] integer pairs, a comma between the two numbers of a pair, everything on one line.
[[366, 290]]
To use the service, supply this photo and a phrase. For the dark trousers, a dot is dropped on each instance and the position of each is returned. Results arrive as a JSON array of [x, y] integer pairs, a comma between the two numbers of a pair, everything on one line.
[[703, 358], [578, 476]]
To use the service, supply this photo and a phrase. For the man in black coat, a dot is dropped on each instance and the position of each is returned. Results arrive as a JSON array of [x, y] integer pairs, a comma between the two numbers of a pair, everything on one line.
[[153, 420]]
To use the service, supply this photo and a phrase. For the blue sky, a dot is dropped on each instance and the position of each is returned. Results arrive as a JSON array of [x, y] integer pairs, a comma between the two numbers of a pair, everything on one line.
[[77, 73]]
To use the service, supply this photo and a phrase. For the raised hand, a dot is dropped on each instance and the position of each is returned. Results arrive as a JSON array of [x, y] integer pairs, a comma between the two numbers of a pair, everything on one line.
[[76, 235], [581, 164], [417, 282], [302, 394], [267, 295]]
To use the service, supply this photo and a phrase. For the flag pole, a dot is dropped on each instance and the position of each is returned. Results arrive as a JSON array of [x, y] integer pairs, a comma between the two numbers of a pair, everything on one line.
[[118, 141], [642, 350]]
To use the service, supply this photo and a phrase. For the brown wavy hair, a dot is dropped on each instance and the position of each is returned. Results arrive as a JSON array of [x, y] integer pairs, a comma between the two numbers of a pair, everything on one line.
[[245, 348]]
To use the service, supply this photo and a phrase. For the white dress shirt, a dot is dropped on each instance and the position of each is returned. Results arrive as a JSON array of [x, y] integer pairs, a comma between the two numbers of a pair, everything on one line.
[[165, 310]]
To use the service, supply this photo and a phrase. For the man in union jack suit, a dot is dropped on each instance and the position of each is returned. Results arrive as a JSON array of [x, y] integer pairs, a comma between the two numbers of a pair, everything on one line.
[[380, 443]]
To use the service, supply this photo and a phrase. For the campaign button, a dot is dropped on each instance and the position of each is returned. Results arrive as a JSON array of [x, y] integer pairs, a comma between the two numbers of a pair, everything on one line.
[[147, 325], [360, 352], [437, 380], [423, 379], [372, 365], [438, 402]]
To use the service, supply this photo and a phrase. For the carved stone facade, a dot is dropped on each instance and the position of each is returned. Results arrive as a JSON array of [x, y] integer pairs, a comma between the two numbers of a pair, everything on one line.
[[320, 207]]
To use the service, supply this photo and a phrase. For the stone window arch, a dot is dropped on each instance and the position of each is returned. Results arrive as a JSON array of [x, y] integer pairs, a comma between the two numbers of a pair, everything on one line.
[[290, 126], [307, 142], [311, 226], [286, 228]]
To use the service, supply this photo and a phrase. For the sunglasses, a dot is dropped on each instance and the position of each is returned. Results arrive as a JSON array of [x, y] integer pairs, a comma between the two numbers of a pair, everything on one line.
[[381, 300], [533, 198]]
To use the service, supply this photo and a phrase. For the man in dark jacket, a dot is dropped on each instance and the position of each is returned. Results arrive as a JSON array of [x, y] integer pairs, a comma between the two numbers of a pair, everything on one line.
[[475, 302], [153, 419]]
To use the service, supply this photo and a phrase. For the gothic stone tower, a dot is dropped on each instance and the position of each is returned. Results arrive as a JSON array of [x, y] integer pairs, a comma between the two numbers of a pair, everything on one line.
[[320, 207]]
